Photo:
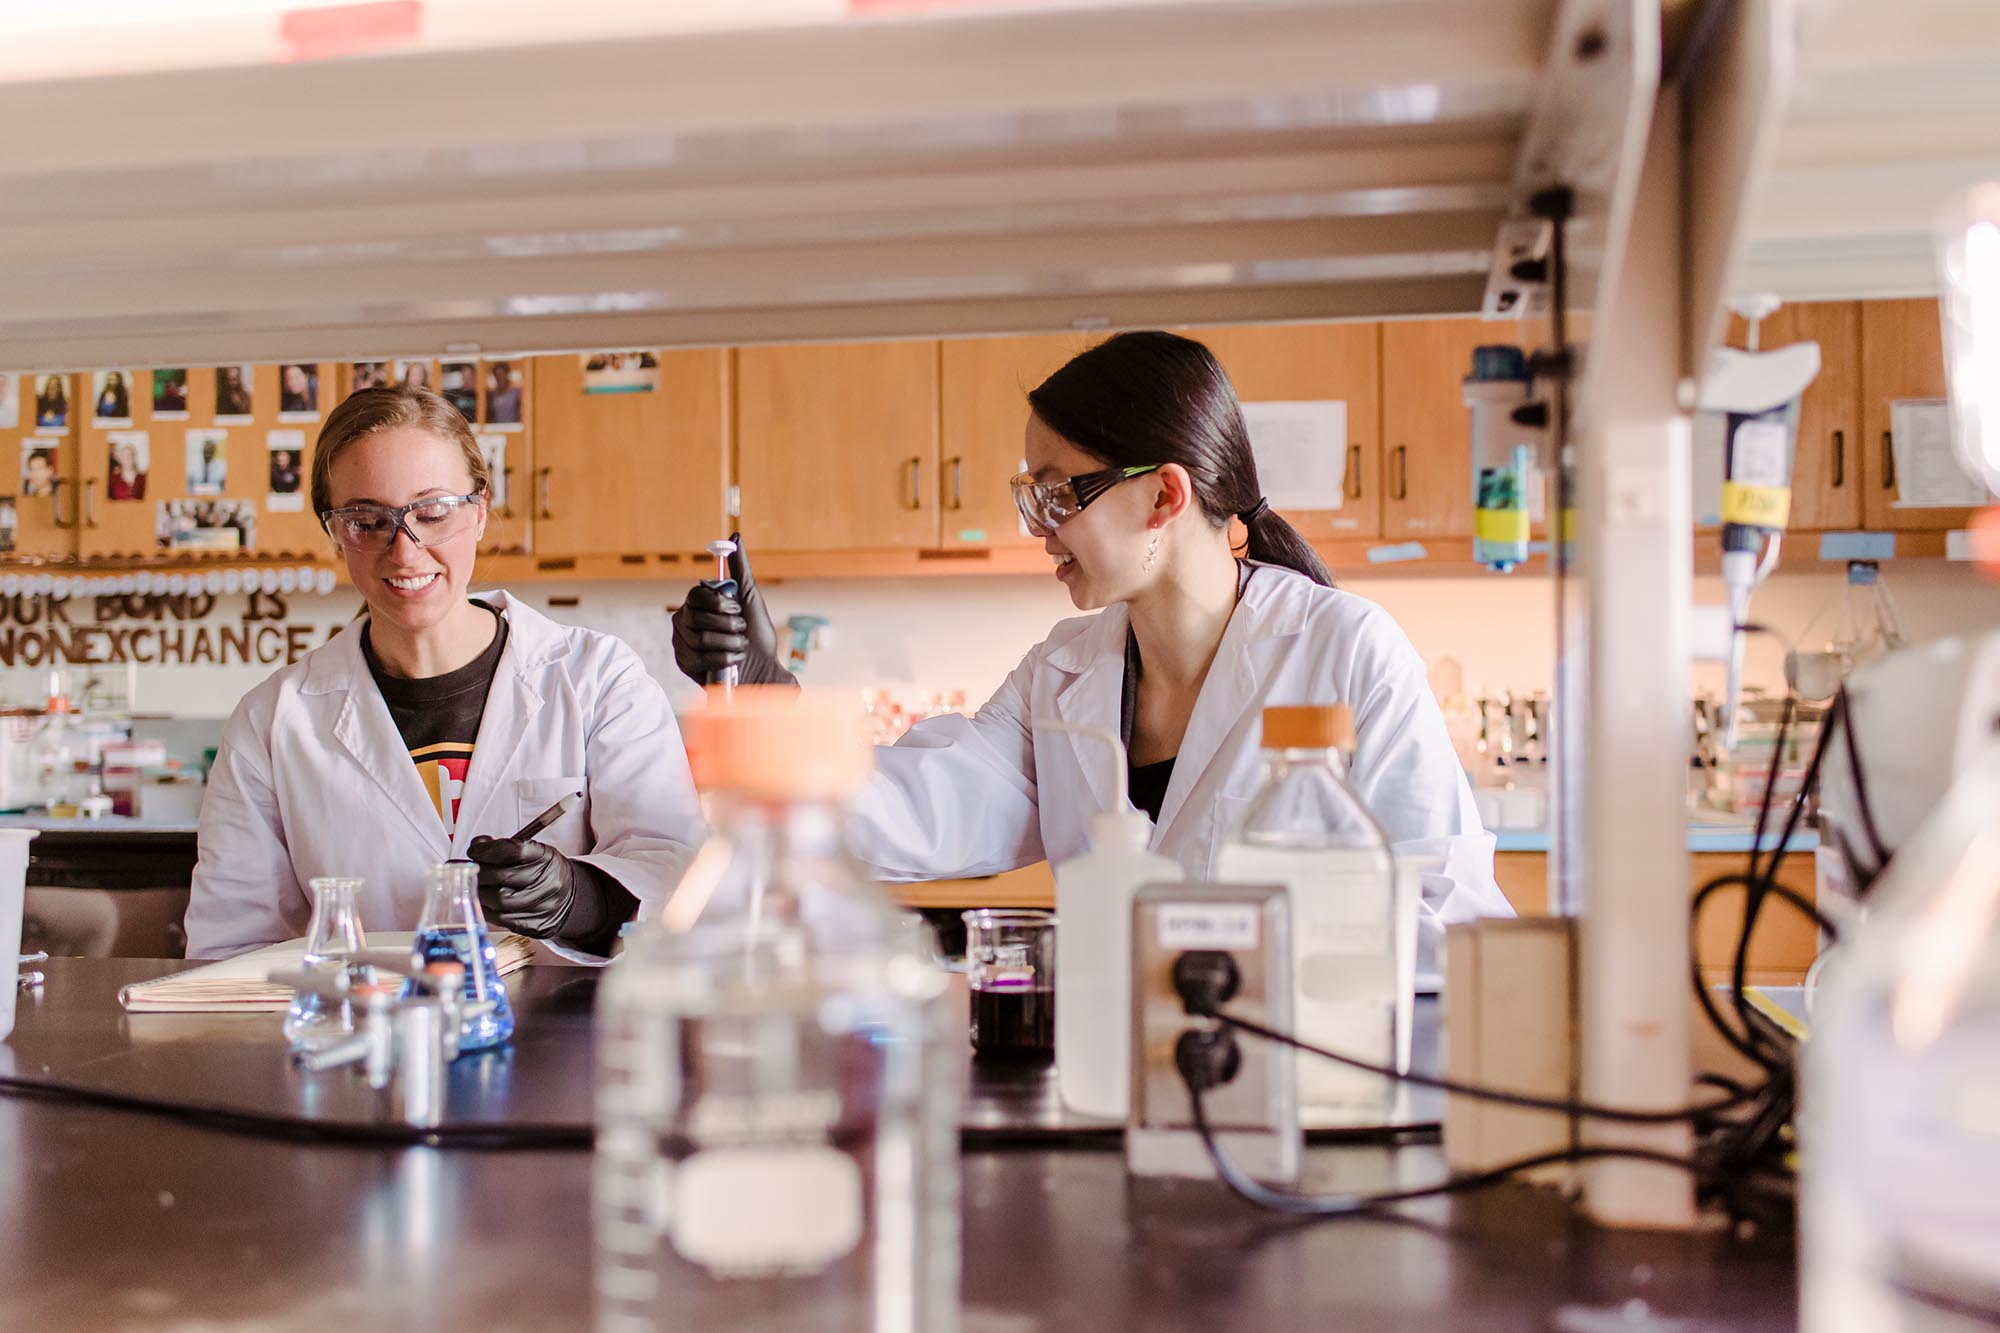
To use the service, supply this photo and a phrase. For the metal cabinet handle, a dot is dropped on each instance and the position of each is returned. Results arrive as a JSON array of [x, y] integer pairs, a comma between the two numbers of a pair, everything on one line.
[[90, 502], [916, 483], [1401, 489], [56, 485], [1888, 462], [1354, 472], [1839, 458], [957, 495], [507, 489], [542, 483]]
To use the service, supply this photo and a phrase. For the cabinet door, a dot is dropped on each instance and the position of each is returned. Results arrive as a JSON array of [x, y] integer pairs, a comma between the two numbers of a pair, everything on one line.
[[837, 446], [983, 386], [180, 461], [1316, 362], [631, 471], [1826, 467], [1902, 356], [43, 496], [1427, 429]]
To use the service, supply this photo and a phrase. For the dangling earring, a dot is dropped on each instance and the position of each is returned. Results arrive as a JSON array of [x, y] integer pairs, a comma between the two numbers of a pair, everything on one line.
[[1152, 552]]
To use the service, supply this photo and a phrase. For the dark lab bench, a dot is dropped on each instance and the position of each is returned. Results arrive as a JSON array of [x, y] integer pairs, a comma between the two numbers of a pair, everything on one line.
[[118, 1220]]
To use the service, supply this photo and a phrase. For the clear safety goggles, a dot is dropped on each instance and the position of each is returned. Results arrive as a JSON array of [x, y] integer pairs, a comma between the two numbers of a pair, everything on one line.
[[1047, 505], [431, 521]]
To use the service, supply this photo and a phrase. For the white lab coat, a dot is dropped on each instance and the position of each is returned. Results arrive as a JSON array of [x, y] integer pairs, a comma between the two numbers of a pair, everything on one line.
[[976, 796], [312, 779]]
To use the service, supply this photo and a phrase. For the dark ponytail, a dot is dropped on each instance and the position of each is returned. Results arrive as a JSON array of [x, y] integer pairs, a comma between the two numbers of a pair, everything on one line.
[[1153, 397]]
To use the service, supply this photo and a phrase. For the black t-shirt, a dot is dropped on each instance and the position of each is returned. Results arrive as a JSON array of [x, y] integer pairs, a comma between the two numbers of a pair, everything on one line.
[[439, 717]]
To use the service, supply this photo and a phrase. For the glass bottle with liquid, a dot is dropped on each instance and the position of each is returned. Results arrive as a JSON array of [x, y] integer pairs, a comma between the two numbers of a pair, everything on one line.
[[780, 1071], [333, 932], [452, 929], [1308, 830]]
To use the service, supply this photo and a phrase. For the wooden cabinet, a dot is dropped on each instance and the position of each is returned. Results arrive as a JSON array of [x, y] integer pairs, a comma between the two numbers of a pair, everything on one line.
[[212, 461], [983, 386], [1902, 356], [44, 523], [1314, 362], [1426, 428], [837, 446], [1826, 466], [627, 473]]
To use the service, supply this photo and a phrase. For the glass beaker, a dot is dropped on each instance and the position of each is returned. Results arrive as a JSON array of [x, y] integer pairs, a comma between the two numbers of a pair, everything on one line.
[[453, 930], [333, 932], [1010, 958]]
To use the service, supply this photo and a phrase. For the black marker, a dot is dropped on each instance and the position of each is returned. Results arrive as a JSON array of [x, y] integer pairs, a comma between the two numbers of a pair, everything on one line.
[[548, 816]]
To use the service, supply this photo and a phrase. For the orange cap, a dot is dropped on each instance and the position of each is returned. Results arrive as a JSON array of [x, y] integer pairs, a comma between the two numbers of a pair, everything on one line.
[[778, 743], [1985, 527], [1308, 727]]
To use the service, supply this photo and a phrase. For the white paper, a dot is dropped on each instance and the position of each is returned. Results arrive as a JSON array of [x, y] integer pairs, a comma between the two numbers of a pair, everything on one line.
[[281, 503], [1707, 448], [1928, 473], [1301, 451]]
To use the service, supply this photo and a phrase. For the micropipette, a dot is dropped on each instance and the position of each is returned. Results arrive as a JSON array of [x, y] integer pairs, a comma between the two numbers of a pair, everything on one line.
[[722, 548]]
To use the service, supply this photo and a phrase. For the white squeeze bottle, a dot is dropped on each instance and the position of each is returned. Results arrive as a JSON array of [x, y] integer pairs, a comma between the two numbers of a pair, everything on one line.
[[1308, 830], [1094, 895]]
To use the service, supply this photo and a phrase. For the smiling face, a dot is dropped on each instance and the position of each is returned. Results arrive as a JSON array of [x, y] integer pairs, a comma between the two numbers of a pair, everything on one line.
[[1100, 553], [411, 587]]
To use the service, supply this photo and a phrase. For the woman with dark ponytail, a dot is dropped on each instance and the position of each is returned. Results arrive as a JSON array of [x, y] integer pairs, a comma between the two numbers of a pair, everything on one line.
[[1138, 461]]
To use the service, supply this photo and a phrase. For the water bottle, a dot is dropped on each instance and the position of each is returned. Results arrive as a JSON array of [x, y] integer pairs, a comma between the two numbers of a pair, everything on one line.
[[1308, 830], [333, 932], [452, 929], [780, 1073]]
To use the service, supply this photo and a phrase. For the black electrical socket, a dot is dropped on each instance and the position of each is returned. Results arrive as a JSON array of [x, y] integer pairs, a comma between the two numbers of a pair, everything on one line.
[[1206, 979], [1207, 1057]]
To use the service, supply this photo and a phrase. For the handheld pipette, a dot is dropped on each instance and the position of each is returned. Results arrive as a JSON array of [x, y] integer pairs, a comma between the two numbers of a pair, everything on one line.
[[548, 816], [722, 548]]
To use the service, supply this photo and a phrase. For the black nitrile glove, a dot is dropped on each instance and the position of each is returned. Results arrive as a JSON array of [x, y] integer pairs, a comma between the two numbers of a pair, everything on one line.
[[713, 630], [533, 889]]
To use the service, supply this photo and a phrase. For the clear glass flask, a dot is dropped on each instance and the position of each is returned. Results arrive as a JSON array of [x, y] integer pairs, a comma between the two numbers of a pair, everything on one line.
[[780, 1073], [1306, 829], [453, 929], [333, 932], [1899, 1192]]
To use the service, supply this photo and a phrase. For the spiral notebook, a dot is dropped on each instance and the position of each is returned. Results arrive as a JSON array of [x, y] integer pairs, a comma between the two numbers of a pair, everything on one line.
[[240, 985]]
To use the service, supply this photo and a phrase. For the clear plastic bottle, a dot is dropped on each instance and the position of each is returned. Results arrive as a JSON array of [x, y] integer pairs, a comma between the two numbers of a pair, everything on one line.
[[780, 1073], [1900, 1104], [53, 753], [333, 932], [453, 929], [1306, 829]]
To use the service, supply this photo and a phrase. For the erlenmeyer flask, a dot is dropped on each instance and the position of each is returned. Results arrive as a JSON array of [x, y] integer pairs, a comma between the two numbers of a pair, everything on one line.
[[333, 932], [453, 930]]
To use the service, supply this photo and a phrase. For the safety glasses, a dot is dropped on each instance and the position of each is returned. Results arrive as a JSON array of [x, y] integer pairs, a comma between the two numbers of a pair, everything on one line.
[[1047, 505], [433, 520]]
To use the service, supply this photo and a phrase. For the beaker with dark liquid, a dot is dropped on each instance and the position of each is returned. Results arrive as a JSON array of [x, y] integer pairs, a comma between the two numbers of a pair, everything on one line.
[[1010, 970]]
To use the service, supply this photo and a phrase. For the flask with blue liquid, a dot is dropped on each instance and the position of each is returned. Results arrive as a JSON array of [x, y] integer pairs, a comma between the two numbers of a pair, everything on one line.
[[453, 929]]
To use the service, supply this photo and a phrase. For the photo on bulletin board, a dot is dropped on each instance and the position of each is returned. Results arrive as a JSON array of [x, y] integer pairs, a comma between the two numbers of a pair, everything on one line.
[[503, 395], [413, 374], [129, 456], [494, 449], [298, 391], [170, 394], [38, 466], [207, 461], [10, 523], [458, 381], [367, 375], [207, 525], [52, 401], [10, 399], [111, 398], [288, 451], [620, 372], [234, 389]]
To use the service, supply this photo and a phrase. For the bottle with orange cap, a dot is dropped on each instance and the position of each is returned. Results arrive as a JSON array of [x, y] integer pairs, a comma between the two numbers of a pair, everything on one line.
[[780, 1075], [1308, 830]]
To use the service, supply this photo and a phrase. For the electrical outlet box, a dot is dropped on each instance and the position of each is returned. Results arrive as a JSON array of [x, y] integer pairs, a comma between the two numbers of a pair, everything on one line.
[[1255, 1114]]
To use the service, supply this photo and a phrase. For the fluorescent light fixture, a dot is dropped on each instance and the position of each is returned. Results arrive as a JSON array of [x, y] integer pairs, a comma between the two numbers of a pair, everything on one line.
[[1969, 265]]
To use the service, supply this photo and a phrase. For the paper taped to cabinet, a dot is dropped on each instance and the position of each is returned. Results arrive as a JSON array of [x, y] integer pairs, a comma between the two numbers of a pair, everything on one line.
[[1301, 452]]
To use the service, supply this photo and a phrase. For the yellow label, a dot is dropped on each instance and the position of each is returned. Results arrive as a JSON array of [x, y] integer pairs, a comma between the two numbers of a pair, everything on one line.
[[1756, 506], [1500, 525], [1568, 526]]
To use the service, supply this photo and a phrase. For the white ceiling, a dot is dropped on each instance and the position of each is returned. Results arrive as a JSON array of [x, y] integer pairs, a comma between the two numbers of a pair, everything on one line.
[[649, 182]]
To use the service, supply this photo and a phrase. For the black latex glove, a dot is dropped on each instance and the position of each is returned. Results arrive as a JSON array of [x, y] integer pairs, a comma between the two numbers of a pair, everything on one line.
[[528, 887], [713, 630]]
